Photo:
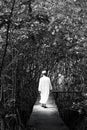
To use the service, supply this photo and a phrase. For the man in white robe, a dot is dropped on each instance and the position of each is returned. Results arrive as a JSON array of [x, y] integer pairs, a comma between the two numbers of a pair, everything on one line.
[[44, 88], [60, 81]]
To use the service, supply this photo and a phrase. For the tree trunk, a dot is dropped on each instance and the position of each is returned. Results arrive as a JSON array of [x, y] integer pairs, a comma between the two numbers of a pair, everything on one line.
[[7, 35], [2, 124]]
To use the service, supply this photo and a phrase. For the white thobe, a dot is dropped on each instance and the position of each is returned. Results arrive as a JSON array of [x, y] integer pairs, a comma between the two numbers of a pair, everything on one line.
[[44, 87], [61, 79], [60, 82]]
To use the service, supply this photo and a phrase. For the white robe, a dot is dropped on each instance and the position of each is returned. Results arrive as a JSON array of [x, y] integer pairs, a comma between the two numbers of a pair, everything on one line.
[[61, 79], [44, 87]]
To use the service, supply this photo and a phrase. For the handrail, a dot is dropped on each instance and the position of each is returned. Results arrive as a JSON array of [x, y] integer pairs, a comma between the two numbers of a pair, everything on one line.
[[54, 91]]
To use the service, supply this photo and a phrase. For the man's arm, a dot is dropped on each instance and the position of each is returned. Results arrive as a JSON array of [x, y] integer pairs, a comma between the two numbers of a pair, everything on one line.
[[50, 84], [39, 88]]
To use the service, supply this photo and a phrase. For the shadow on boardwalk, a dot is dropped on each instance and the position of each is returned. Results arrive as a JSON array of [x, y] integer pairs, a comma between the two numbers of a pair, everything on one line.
[[46, 118]]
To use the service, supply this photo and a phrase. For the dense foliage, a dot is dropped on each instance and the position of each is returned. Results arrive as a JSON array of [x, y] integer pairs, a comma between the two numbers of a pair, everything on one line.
[[41, 34]]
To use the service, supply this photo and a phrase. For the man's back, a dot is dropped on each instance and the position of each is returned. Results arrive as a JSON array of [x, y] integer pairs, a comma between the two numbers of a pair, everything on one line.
[[44, 88], [45, 83]]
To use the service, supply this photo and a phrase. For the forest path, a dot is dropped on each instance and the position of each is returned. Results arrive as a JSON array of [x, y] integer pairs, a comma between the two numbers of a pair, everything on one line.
[[46, 118]]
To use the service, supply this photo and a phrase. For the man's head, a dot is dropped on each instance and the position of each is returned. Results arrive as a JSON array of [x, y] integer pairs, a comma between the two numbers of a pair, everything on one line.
[[44, 72], [59, 75]]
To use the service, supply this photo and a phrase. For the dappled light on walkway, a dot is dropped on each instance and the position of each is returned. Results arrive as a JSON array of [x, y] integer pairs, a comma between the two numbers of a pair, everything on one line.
[[46, 118]]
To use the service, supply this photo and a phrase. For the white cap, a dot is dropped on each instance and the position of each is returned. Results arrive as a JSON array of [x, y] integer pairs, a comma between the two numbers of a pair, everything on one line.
[[59, 75], [44, 72]]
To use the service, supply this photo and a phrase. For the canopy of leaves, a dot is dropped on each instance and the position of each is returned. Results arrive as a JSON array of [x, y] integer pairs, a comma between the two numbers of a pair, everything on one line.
[[43, 34]]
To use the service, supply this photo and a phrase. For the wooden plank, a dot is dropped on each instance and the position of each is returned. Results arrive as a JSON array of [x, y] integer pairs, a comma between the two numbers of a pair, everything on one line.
[[46, 118]]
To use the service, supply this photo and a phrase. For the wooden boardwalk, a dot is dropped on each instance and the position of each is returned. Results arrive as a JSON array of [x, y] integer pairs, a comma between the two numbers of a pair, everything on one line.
[[46, 118]]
